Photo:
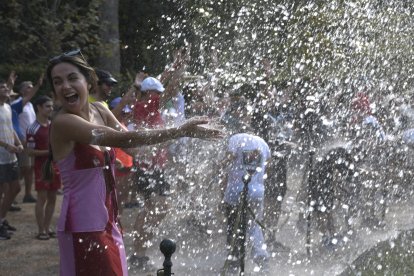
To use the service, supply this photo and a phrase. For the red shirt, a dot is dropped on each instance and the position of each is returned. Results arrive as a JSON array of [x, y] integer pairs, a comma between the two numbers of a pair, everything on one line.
[[147, 114], [37, 137]]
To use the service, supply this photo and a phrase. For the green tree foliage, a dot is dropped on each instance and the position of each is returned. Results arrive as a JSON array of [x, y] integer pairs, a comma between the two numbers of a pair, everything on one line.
[[145, 37], [33, 31], [340, 41], [365, 43]]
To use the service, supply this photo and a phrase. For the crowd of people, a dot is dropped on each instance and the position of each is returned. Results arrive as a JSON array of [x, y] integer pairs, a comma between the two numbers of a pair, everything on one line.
[[82, 161], [121, 146]]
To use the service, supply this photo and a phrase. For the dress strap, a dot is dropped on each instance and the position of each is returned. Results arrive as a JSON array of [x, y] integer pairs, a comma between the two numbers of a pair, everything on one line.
[[100, 113]]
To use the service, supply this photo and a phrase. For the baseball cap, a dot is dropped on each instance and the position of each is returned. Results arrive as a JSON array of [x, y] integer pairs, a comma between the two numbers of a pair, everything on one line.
[[116, 101], [105, 77], [151, 83]]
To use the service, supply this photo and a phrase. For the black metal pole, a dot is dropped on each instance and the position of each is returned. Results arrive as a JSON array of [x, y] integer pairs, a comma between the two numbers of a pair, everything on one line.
[[244, 202], [310, 124], [167, 248], [308, 205]]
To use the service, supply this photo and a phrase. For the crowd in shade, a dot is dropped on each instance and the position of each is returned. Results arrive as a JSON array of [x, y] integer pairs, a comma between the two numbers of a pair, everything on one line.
[[126, 142]]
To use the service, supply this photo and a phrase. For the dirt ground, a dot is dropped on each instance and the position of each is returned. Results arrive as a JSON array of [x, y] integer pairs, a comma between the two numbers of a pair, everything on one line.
[[199, 253], [23, 254]]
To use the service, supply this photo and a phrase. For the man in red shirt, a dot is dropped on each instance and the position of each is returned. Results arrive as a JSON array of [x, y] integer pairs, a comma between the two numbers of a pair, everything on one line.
[[38, 146], [149, 177]]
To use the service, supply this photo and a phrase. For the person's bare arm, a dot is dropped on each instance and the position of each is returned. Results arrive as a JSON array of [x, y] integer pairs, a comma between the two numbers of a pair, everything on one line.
[[11, 80], [180, 59], [172, 77], [133, 94], [33, 92], [13, 148], [72, 128], [17, 143], [172, 86], [37, 152]]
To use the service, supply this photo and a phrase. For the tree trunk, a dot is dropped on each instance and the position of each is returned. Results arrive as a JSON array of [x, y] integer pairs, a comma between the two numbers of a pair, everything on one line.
[[110, 58]]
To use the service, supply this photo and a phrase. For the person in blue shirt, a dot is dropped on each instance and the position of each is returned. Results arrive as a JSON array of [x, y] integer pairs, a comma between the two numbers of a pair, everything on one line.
[[23, 115]]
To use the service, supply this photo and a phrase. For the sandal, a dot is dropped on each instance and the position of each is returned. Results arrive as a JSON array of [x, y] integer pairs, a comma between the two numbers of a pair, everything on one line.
[[42, 236]]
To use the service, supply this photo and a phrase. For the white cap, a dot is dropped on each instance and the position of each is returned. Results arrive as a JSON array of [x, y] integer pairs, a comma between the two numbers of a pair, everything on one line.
[[151, 83]]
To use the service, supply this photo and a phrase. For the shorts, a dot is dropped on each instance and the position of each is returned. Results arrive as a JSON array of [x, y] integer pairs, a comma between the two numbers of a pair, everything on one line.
[[9, 172], [24, 159], [43, 185], [151, 182]]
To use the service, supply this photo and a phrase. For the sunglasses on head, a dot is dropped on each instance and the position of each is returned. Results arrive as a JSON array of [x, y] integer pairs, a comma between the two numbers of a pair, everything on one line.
[[72, 53]]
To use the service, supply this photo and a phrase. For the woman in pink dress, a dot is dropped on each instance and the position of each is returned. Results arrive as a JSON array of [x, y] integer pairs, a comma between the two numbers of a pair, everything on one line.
[[89, 233]]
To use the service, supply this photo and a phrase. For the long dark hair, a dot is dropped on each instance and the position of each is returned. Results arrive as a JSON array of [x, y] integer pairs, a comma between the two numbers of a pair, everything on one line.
[[88, 72]]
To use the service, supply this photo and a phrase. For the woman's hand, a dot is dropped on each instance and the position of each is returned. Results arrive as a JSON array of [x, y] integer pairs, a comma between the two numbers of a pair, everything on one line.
[[200, 127]]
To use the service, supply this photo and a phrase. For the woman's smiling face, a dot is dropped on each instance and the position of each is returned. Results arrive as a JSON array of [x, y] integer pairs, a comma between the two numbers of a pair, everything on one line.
[[70, 86]]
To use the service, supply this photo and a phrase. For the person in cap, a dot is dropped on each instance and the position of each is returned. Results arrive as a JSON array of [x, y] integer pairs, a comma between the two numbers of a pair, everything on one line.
[[146, 110], [150, 163], [104, 89]]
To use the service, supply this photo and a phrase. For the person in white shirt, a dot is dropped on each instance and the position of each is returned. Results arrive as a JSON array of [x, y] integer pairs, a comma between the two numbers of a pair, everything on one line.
[[246, 152], [26, 118], [9, 170]]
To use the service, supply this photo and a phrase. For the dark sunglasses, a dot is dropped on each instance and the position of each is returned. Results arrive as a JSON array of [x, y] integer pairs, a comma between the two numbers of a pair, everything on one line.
[[72, 53]]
